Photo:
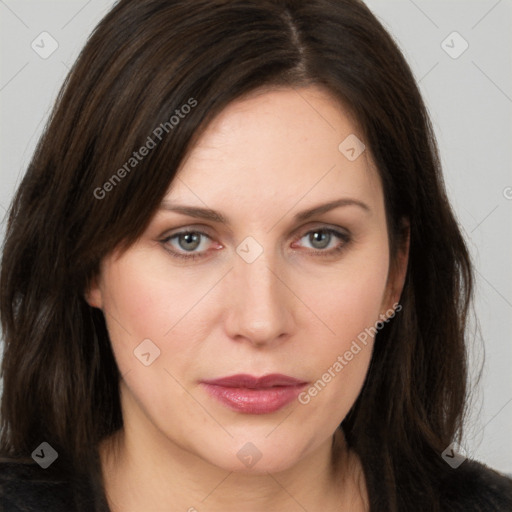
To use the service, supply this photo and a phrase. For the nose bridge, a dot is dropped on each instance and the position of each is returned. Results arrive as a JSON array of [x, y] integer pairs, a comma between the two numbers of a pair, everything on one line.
[[259, 282], [260, 310]]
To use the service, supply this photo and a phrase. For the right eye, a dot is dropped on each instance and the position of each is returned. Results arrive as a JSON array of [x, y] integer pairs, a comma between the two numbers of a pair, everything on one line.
[[185, 243]]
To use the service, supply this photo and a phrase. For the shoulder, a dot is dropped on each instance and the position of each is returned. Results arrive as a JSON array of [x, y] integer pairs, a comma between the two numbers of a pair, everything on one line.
[[475, 487], [26, 487]]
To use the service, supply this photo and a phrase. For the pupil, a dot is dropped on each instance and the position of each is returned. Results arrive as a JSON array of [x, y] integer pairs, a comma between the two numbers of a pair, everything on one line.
[[320, 239], [191, 241]]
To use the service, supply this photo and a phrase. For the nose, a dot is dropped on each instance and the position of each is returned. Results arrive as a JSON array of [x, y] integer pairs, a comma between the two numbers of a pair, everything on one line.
[[260, 309]]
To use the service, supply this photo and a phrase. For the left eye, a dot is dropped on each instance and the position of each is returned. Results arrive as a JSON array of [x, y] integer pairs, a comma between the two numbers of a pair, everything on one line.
[[321, 239]]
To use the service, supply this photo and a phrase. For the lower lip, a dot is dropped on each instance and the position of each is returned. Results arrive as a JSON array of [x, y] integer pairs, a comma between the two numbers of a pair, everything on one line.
[[255, 401]]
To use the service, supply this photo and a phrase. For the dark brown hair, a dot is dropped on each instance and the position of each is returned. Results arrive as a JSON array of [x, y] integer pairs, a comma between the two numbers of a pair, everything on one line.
[[146, 59]]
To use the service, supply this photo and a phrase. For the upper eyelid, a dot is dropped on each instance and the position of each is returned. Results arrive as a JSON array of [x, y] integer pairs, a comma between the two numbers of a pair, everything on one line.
[[205, 229], [297, 234], [185, 230]]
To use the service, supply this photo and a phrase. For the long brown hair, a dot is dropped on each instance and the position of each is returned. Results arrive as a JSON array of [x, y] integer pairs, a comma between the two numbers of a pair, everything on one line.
[[145, 60]]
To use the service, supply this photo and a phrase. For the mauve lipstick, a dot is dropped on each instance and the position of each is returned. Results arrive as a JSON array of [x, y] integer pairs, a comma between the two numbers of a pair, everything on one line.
[[255, 395]]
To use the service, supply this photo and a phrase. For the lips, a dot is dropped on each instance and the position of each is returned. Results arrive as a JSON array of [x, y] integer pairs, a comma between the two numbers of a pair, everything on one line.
[[254, 395], [248, 381]]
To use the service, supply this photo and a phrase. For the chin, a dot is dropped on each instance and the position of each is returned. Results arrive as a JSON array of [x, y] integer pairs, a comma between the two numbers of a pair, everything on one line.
[[260, 456]]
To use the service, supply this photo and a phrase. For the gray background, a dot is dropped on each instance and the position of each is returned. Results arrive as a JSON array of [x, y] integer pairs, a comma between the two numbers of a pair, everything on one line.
[[470, 101]]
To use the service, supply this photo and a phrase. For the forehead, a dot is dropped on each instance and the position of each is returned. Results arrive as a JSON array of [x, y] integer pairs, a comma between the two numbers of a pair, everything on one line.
[[277, 145]]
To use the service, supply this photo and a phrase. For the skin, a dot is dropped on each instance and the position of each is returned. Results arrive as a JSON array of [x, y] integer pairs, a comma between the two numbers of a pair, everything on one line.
[[264, 159]]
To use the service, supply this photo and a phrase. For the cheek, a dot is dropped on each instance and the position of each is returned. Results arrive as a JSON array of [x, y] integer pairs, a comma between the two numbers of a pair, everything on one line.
[[350, 298], [156, 339], [142, 302]]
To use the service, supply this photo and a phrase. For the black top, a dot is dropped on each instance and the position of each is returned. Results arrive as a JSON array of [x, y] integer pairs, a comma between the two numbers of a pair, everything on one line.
[[25, 487]]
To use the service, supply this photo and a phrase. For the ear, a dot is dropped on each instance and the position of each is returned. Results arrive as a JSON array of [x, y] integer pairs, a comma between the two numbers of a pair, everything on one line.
[[93, 295], [398, 268]]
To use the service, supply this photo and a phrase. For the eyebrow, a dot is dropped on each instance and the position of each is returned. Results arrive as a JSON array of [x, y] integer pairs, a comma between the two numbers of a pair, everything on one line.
[[208, 214]]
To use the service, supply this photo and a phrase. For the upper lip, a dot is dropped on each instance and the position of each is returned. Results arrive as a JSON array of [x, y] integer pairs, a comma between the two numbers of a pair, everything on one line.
[[249, 381]]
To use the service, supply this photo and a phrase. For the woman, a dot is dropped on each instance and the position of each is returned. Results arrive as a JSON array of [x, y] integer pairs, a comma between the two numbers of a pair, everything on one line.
[[231, 275]]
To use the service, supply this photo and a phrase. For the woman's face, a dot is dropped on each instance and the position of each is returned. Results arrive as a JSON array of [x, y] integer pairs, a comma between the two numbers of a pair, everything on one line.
[[258, 287]]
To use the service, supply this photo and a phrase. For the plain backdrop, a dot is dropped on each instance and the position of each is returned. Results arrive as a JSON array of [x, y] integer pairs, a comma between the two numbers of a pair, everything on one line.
[[460, 54]]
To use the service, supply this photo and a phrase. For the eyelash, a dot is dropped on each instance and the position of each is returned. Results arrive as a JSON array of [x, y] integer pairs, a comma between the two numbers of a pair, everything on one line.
[[346, 239]]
